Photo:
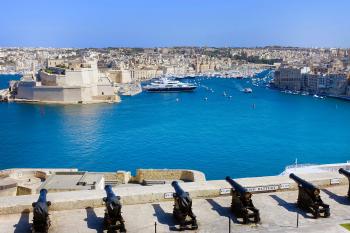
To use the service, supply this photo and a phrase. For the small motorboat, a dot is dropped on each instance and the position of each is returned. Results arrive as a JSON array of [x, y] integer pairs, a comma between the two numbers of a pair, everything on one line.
[[247, 90]]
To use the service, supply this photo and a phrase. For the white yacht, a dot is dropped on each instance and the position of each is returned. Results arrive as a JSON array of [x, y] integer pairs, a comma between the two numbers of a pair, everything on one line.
[[168, 85]]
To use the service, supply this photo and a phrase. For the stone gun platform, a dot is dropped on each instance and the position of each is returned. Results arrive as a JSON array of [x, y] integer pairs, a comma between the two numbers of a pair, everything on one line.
[[278, 214]]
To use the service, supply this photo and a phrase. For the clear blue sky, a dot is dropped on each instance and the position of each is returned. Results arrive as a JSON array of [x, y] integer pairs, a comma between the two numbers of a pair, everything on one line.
[[151, 23]]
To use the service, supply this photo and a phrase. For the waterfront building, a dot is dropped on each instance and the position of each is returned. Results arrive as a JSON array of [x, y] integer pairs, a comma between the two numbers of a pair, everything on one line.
[[66, 82], [332, 84], [294, 79], [288, 78], [146, 73], [310, 82]]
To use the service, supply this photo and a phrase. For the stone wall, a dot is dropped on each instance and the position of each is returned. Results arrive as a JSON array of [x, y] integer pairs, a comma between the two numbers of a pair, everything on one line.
[[148, 194], [123, 177], [24, 191], [35, 172], [119, 177], [45, 93], [168, 174], [49, 79], [25, 90]]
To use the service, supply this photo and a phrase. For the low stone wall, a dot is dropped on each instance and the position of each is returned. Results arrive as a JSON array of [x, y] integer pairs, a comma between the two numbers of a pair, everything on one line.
[[119, 177], [106, 98], [168, 174], [123, 177], [26, 180], [34, 172], [24, 191]]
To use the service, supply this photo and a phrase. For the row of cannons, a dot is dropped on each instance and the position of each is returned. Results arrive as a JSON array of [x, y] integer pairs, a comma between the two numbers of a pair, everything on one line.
[[242, 206]]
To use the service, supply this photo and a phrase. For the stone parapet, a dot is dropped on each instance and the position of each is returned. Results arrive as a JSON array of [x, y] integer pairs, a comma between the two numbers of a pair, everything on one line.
[[34, 172], [168, 174], [148, 194], [123, 177]]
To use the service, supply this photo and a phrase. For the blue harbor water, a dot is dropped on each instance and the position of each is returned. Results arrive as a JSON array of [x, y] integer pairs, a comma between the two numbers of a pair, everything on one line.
[[246, 135]]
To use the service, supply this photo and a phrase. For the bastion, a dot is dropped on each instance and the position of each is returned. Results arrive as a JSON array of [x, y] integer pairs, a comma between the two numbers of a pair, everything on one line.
[[147, 206]]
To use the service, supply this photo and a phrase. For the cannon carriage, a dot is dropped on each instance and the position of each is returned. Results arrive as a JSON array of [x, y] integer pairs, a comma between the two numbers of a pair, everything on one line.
[[113, 220], [242, 205], [309, 198], [347, 174], [41, 219], [183, 208]]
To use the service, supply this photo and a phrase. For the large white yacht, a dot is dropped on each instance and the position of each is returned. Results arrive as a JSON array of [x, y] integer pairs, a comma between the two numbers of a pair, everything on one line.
[[168, 85]]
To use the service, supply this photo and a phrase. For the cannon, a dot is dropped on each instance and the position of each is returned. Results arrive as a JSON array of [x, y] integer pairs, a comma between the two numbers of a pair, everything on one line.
[[113, 220], [242, 205], [41, 220], [347, 174], [309, 198], [183, 208]]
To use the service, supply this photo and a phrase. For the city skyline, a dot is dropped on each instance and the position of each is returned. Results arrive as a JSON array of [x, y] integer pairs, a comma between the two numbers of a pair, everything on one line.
[[157, 24]]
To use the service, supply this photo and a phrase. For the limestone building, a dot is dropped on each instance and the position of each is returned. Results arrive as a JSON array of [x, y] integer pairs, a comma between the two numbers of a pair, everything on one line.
[[119, 76], [288, 78], [66, 82]]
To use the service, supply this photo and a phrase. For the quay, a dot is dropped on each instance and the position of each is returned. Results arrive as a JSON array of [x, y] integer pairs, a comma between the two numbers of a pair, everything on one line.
[[148, 207]]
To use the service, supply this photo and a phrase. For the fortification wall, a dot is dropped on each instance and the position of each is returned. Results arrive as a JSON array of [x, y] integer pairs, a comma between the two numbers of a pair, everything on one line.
[[148, 194]]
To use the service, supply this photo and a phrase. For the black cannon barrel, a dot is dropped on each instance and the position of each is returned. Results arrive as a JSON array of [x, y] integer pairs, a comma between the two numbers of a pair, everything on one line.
[[179, 191], [109, 192], [41, 221], [302, 182], [344, 172], [42, 196], [113, 219], [237, 187]]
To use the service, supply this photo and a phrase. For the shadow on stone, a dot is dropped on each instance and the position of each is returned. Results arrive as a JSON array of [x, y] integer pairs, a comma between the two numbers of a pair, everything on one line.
[[340, 199], [23, 224], [291, 207], [164, 218], [93, 222], [223, 211]]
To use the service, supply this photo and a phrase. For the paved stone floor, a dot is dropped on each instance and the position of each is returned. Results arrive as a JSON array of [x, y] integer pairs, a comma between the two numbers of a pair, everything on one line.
[[278, 214]]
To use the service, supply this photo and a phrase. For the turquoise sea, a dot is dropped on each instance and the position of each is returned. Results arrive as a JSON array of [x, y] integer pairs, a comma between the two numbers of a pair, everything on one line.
[[246, 135]]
